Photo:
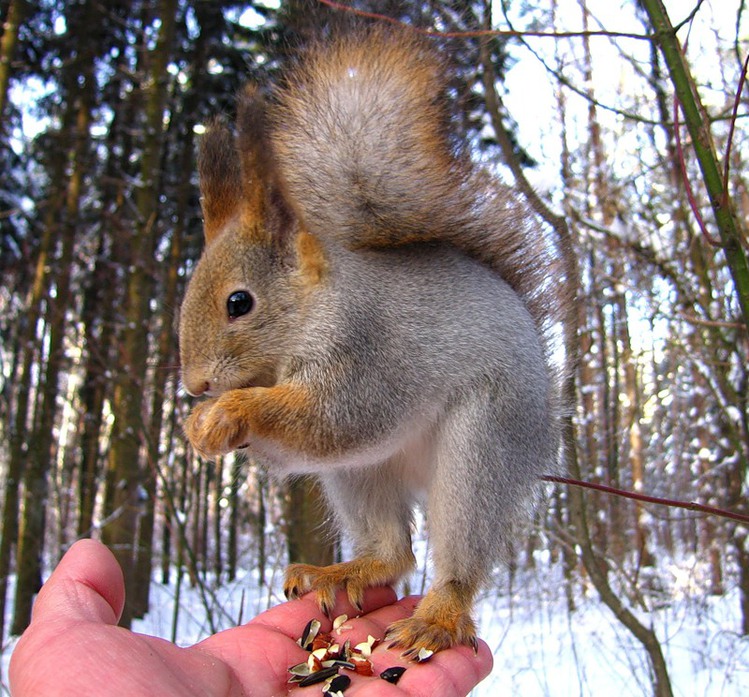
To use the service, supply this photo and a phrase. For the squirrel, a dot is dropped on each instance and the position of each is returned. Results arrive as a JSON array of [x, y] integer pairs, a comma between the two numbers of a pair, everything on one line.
[[372, 308]]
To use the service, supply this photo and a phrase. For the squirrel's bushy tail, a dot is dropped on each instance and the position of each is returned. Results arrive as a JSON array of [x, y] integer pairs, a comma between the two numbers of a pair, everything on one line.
[[362, 143]]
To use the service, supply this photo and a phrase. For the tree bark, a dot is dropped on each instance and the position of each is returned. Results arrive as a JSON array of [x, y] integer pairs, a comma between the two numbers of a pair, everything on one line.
[[310, 538], [73, 143], [15, 15], [125, 464], [19, 429]]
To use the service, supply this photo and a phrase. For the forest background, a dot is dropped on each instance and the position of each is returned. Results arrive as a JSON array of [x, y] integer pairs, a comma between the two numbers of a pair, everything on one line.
[[623, 124]]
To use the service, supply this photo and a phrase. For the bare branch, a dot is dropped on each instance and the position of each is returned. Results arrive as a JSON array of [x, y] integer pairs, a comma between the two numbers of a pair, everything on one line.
[[689, 505]]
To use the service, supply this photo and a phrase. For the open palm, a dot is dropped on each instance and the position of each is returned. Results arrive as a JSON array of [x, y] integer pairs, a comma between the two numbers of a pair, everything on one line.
[[73, 646]]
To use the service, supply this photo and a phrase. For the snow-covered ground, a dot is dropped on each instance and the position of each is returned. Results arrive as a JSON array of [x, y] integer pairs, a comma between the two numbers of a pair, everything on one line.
[[542, 649]]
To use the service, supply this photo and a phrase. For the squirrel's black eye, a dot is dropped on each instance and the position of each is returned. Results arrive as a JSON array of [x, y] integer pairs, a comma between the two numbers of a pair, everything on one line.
[[240, 302]]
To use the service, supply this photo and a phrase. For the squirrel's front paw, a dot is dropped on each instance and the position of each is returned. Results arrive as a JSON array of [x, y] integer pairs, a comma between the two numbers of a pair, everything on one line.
[[217, 426], [325, 581], [353, 576]]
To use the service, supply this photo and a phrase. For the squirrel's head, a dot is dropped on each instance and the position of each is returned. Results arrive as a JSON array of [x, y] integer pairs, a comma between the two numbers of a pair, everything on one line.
[[245, 303]]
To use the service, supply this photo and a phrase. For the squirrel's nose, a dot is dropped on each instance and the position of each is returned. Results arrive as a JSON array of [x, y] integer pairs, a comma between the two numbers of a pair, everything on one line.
[[195, 388]]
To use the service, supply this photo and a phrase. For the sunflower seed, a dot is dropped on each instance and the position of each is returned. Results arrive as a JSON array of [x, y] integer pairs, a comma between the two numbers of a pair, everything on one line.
[[344, 664], [309, 633], [301, 669], [393, 674], [321, 641], [363, 649], [362, 666], [339, 683], [318, 676], [424, 655]]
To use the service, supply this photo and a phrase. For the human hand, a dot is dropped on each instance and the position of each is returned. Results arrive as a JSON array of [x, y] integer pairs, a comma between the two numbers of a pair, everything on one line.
[[73, 646]]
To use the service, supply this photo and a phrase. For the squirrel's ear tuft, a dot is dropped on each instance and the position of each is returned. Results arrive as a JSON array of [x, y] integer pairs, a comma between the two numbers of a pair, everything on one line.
[[254, 153], [238, 178], [220, 178], [265, 214]]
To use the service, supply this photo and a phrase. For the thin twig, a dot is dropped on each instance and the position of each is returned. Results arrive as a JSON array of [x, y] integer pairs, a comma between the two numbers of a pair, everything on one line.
[[729, 226], [736, 102], [689, 505], [688, 19], [685, 176], [557, 74], [482, 32]]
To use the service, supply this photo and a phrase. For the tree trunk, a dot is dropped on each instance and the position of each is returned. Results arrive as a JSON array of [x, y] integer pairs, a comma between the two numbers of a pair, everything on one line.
[[310, 538], [41, 450], [15, 15], [19, 431], [742, 556], [125, 469], [199, 504], [218, 527], [262, 516], [98, 297], [74, 139], [169, 487], [166, 354], [578, 518], [234, 518]]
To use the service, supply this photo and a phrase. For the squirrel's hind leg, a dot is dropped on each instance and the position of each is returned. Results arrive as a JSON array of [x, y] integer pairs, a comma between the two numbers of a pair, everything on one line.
[[481, 490], [376, 513]]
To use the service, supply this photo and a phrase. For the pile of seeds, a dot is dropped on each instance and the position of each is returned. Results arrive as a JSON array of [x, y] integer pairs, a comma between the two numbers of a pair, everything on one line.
[[327, 657]]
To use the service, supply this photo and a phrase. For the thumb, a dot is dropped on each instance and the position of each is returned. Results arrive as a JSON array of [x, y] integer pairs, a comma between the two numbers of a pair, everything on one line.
[[87, 585]]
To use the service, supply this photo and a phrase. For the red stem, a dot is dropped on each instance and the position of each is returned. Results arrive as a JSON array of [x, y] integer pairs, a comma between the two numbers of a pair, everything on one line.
[[687, 185], [736, 102], [691, 506]]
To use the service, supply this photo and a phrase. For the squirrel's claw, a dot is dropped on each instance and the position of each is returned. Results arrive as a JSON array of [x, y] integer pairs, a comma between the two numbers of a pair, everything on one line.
[[304, 578], [353, 577], [420, 638]]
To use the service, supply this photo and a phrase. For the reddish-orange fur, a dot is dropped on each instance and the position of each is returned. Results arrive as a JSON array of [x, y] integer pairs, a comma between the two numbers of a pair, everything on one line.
[[354, 576], [284, 414], [442, 619], [311, 256]]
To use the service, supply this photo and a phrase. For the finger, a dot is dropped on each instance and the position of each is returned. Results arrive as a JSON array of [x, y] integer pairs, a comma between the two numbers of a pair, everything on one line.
[[459, 668], [292, 617], [86, 585], [450, 673], [374, 599], [376, 622]]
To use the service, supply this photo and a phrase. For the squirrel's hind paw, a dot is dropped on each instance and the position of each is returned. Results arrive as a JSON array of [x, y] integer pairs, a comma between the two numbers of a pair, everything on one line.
[[420, 638], [441, 620]]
